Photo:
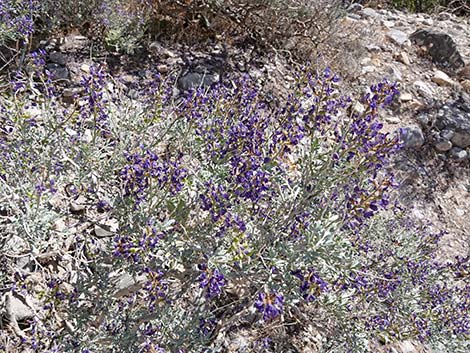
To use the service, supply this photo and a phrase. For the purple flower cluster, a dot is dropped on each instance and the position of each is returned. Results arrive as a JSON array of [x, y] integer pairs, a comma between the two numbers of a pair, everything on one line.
[[212, 280], [150, 347], [16, 17], [270, 305], [95, 107], [145, 169], [207, 326], [218, 202], [312, 285], [388, 283], [135, 248], [365, 144], [155, 288], [157, 93], [236, 134], [43, 78], [379, 322]]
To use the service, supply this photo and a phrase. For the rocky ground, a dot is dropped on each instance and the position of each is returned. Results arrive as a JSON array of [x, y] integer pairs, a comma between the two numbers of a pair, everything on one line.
[[434, 109], [428, 55]]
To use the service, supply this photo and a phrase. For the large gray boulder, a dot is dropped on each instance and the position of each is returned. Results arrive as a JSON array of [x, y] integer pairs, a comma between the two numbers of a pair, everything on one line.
[[440, 46]]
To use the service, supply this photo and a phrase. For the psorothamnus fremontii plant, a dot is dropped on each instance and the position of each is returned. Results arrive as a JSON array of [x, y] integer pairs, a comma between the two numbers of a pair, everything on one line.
[[224, 205]]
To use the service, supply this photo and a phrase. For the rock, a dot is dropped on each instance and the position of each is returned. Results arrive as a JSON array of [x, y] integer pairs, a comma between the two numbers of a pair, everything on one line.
[[22, 262], [412, 137], [355, 7], [443, 145], [365, 61], [69, 94], [428, 22], [368, 69], [394, 73], [444, 16], [393, 120], [406, 97], [466, 85], [16, 308], [447, 134], [442, 79], [424, 89], [407, 347], [353, 17], [106, 228], [85, 68], [87, 136], [368, 12], [79, 205], [440, 46], [197, 79], [464, 73], [359, 108], [388, 24], [126, 284], [458, 154], [59, 73], [403, 58], [456, 118], [33, 112], [15, 244], [398, 37], [103, 231], [163, 69], [58, 58], [373, 48], [461, 139], [463, 103], [415, 104], [59, 225]]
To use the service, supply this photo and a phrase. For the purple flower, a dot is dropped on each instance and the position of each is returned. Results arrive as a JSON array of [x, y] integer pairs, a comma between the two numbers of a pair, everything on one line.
[[380, 322], [270, 305], [155, 288], [207, 326], [312, 285], [144, 167], [150, 347], [211, 280]]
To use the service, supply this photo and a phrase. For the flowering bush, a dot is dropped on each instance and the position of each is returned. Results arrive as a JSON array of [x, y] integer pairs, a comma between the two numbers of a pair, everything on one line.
[[16, 28], [16, 20], [213, 207]]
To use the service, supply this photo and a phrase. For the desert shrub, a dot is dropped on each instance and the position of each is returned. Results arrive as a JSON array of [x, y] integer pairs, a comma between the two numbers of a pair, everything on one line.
[[459, 7], [124, 25], [296, 25], [64, 15], [296, 28], [220, 210]]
